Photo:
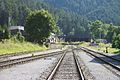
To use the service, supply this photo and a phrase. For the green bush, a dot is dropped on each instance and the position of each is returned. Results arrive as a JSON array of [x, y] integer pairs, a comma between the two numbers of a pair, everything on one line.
[[8, 46], [116, 42], [6, 35], [19, 37], [39, 25]]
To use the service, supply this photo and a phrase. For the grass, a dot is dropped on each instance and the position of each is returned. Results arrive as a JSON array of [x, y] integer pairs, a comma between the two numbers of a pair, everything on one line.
[[9, 47], [101, 47]]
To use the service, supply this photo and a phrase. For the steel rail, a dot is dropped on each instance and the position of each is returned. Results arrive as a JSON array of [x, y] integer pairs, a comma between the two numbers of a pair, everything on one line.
[[50, 77], [101, 54], [82, 77], [56, 67], [112, 65], [26, 59]]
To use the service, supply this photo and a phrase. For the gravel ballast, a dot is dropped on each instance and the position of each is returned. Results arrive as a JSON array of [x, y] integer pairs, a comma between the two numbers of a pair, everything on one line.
[[29, 54], [30, 71], [96, 69]]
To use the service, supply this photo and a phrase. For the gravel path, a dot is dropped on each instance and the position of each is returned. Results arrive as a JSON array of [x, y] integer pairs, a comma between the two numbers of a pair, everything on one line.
[[97, 70], [29, 71]]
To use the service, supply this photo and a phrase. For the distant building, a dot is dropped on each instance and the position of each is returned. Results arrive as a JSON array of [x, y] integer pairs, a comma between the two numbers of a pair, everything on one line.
[[53, 38], [15, 29], [75, 38]]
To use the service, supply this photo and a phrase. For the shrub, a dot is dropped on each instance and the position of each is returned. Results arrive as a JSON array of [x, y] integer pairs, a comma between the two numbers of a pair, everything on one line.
[[39, 25], [19, 37], [116, 42]]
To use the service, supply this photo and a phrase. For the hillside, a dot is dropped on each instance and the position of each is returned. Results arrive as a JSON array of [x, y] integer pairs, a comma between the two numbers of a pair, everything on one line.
[[17, 11], [72, 16], [105, 10]]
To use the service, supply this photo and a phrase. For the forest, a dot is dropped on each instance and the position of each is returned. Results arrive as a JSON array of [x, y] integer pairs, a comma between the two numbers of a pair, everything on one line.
[[104, 10], [14, 12]]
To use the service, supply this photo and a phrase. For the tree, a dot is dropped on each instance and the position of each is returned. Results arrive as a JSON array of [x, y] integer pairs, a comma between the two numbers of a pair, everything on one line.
[[72, 24], [116, 42], [112, 32], [96, 29], [39, 25], [17, 10], [93, 10], [19, 37]]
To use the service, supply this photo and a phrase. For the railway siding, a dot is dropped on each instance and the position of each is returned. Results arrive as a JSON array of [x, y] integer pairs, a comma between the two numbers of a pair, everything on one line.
[[25, 54], [112, 55], [12, 62], [95, 67], [34, 70], [113, 62]]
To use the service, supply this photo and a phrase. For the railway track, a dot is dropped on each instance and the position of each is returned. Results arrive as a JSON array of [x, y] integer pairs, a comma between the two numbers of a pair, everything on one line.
[[2, 56], [113, 62], [102, 54], [67, 68], [11, 62], [17, 54]]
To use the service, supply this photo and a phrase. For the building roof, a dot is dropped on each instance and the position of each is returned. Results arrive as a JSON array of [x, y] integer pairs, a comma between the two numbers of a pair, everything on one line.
[[16, 27]]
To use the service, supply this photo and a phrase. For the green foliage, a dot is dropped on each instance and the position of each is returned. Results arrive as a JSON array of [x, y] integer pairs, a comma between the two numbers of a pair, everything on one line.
[[19, 37], [1, 33], [112, 32], [116, 42], [71, 23], [98, 29], [8, 46], [68, 22], [6, 34], [107, 11], [17, 10], [71, 15], [102, 30], [39, 25]]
